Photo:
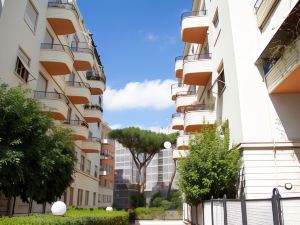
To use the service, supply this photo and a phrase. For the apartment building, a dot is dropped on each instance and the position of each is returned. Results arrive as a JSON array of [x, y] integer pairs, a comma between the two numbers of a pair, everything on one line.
[[107, 169], [46, 47], [241, 63], [125, 177], [159, 173]]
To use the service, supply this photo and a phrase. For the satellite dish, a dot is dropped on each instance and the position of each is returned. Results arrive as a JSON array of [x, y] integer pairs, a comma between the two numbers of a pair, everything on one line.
[[167, 144]]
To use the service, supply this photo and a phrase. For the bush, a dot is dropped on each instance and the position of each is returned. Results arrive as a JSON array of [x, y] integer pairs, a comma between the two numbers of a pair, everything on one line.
[[149, 213], [173, 202], [73, 217], [133, 200]]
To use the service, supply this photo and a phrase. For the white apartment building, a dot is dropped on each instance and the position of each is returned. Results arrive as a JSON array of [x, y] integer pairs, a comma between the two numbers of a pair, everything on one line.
[[46, 47], [241, 62]]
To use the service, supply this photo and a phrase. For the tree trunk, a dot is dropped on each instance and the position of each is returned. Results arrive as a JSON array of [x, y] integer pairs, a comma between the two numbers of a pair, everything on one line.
[[138, 197], [44, 207], [14, 204], [30, 207], [172, 179]]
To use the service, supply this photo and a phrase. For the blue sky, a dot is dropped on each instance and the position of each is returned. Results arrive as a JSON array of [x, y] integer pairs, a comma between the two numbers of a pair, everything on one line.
[[138, 41]]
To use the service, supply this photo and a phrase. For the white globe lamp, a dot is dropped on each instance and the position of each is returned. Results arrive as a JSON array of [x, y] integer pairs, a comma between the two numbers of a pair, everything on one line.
[[167, 145], [58, 208], [109, 209]]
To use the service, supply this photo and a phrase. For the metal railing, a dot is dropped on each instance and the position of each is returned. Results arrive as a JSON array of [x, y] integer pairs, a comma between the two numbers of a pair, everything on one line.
[[94, 139], [77, 84], [196, 57], [63, 5], [177, 115], [178, 58], [93, 107], [258, 4], [82, 47], [177, 85], [193, 13], [199, 107], [186, 93], [57, 47], [92, 75], [76, 123], [50, 95]]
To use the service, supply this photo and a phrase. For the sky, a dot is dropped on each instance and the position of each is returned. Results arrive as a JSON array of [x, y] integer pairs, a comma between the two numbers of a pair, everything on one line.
[[138, 41]]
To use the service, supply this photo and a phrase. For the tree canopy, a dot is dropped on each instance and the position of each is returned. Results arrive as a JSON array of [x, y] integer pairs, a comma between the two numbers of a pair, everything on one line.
[[211, 169], [34, 153]]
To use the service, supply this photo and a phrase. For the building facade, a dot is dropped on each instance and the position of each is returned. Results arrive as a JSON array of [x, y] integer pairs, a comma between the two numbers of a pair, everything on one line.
[[46, 47], [241, 63], [107, 169], [159, 173]]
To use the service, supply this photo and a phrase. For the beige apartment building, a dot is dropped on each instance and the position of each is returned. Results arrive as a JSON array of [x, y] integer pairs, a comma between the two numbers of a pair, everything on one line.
[[241, 62], [46, 47]]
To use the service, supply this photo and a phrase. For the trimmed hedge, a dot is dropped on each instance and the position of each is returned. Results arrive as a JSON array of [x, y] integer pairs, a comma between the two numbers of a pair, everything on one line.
[[73, 217]]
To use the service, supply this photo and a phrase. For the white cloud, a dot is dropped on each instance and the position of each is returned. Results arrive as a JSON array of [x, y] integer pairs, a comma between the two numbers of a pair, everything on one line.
[[115, 126], [152, 37], [153, 94]]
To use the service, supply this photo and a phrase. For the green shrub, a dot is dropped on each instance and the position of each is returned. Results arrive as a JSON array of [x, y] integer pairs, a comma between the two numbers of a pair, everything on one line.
[[73, 217], [149, 213], [174, 202]]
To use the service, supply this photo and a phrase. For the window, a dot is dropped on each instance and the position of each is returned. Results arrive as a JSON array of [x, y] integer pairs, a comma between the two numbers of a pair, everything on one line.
[[82, 159], [31, 16], [88, 167], [216, 19], [221, 82], [87, 195], [22, 65], [94, 198], [71, 196], [79, 197], [96, 171]]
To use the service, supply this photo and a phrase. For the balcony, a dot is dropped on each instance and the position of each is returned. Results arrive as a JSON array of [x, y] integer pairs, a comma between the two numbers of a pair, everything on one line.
[[91, 145], [180, 154], [197, 69], [177, 88], [177, 121], [194, 26], [107, 142], [56, 59], [283, 76], [80, 129], [184, 99], [78, 92], [178, 66], [263, 9], [54, 103], [183, 142], [83, 56], [93, 113], [96, 82], [197, 116], [63, 17]]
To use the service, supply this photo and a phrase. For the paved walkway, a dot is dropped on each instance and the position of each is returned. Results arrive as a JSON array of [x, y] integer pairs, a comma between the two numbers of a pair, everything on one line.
[[159, 222]]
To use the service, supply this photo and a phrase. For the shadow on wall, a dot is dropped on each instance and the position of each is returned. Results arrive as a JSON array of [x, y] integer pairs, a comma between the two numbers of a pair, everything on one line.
[[287, 107]]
